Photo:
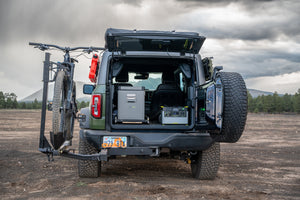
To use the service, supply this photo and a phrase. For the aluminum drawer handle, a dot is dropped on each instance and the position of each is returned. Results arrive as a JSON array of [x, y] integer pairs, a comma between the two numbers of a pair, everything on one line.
[[131, 99]]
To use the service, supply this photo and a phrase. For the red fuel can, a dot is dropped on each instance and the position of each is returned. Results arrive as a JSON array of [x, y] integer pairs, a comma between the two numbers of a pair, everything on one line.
[[94, 68]]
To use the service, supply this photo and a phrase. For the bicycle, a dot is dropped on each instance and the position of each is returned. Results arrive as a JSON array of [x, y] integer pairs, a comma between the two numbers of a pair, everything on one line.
[[64, 107]]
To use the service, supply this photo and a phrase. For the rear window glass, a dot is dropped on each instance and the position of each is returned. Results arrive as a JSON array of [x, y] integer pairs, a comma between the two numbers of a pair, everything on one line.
[[151, 83], [172, 45]]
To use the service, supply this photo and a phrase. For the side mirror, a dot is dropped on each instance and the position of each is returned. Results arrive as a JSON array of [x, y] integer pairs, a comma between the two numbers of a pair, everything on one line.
[[88, 89]]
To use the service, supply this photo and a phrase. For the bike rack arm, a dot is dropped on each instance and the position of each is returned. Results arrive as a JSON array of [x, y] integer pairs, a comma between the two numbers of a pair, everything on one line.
[[104, 154], [44, 145]]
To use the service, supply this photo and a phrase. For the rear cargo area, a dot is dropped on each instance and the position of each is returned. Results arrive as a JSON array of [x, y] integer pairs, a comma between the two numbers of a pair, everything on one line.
[[151, 93]]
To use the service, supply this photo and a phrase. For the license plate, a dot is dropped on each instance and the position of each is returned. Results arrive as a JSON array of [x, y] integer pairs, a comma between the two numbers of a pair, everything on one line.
[[114, 142]]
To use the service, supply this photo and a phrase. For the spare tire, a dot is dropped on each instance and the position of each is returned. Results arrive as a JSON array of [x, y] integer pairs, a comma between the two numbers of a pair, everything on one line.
[[235, 107]]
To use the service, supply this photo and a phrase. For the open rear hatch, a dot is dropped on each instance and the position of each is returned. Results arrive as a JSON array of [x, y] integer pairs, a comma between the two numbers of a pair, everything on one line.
[[152, 93], [144, 40]]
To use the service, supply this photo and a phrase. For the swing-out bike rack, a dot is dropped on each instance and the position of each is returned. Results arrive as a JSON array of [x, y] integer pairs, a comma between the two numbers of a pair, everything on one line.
[[44, 145]]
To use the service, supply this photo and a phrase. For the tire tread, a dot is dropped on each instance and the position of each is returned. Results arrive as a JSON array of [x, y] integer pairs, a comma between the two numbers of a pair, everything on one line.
[[207, 163], [235, 106], [88, 168]]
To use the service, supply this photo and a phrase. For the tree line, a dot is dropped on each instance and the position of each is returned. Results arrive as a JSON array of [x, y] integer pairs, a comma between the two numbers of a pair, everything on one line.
[[267, 104], [9, 101], [275, 103]]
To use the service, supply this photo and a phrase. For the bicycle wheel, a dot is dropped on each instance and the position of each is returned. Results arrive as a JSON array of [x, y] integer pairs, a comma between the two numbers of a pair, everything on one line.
[[59, 109], [70, 115]]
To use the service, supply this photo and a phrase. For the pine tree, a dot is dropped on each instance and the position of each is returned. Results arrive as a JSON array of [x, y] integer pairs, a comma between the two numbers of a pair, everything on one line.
[[251, 102], [2, 100], [259, 104], [14, 99], [268, 104], [8, 101], [35, 104], [22, 105], [287, 103], [297, 102], [277, 103]]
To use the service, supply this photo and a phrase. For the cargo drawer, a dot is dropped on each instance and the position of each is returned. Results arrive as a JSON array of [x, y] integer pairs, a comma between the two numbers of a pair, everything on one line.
[[131, 104]]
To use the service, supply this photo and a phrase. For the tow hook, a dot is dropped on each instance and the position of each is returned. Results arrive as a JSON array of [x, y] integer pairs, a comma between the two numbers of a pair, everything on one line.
[[188, 161]]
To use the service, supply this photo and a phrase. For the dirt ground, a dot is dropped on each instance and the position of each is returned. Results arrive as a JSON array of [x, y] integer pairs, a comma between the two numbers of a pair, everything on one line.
[[264, 164]]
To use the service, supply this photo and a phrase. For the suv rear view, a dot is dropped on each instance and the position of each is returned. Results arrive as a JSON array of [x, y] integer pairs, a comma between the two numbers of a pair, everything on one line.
[[153, 92]]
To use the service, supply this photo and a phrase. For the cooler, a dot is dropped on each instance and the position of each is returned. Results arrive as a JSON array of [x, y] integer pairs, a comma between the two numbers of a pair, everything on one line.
[[131, 104]]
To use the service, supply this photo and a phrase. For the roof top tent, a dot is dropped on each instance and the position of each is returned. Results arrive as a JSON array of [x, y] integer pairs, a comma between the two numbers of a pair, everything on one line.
[[144, 40]]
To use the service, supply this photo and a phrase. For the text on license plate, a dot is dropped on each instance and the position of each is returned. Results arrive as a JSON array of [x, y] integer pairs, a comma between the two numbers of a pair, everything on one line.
[[114, 142]]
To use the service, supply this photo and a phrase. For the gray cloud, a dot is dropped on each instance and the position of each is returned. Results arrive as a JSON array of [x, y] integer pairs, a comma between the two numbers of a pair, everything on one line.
[[73, 23], [41, 19], [253, 4], [259, 63], [133, 2], [267, 19], [74, 20]]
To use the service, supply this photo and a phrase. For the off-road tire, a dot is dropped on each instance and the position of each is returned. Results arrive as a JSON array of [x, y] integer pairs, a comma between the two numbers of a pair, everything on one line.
[[62, 131], [235, 107], [88, 168], [70, 117], [57, 137], [205, 164]]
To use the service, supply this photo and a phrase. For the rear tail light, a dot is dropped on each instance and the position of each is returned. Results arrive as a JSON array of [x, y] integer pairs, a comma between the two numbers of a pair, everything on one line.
[[96, 106]]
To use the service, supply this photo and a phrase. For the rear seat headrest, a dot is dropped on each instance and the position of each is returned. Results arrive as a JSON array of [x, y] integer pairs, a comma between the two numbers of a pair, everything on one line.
[[168, 77], [122, 76]]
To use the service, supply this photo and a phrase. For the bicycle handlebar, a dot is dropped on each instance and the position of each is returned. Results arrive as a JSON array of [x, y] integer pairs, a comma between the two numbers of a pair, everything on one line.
[[33, 43], [66, 49]]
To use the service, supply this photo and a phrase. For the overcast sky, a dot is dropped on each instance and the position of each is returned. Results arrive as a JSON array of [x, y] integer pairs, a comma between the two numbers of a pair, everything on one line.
[[259, 39]]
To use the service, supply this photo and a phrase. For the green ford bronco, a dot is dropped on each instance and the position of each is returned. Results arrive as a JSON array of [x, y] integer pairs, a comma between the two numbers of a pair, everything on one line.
[[153, 94]]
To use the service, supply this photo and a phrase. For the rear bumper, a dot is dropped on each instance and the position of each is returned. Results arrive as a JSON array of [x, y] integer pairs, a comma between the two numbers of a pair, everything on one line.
[[141, 141]]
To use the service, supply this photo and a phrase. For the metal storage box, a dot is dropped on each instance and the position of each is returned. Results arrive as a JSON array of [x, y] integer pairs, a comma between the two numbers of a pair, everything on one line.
[[174, 115], [131, 104]]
